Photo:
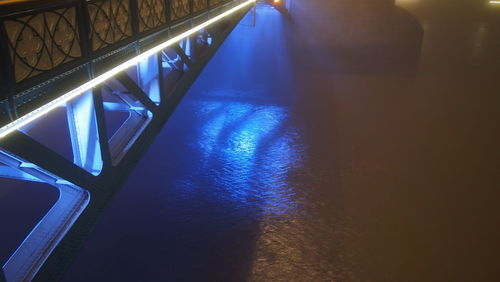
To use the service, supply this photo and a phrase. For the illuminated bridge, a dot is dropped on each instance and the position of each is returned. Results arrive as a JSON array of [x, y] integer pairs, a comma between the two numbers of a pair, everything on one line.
[[244, 140], [91, 59]]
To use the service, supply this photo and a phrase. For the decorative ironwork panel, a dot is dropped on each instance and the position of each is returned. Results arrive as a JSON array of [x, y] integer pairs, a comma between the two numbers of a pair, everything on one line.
[[215, 2], [151, 14], [43, 41], [110, 21], [179, 9], [199, 5]]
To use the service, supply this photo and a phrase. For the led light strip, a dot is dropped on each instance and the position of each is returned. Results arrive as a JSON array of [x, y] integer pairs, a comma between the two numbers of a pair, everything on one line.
[[24, 120]]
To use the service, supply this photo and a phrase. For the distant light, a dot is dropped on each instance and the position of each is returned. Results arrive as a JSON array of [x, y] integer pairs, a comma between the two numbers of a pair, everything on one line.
[[276, 1], [494, 2], [43, 110]]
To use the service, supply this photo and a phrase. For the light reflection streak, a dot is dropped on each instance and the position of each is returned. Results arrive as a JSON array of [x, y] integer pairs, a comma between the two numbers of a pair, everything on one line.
[[251, 147]]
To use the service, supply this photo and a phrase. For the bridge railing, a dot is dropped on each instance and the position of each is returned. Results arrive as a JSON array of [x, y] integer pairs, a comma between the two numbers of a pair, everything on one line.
[[57, 44]]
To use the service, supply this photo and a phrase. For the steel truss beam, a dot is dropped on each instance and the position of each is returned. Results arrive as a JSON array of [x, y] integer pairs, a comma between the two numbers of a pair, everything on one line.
[[101, 162]]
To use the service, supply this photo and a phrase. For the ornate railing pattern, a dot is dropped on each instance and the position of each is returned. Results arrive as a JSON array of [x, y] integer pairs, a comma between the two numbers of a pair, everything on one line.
[[58, 35], [199, 5], [152, 13], [42, 41], [110, 22], [179, 9]]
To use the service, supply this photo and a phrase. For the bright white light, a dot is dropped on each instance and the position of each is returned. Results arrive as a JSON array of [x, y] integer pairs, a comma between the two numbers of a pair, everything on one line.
[[494, 2], [22, 121]]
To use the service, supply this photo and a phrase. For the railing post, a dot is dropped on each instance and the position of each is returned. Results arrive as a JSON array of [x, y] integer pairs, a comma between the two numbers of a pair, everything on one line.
[[134, 17], [82, 17], [168, 10], [84, 29]]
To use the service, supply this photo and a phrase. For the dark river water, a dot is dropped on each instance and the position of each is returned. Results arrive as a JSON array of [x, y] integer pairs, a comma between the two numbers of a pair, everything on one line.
[[224, 193], [342, 141]]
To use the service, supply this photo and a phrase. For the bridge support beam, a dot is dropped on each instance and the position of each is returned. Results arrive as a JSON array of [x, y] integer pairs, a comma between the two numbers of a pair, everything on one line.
[[37, 246], [84, 133]]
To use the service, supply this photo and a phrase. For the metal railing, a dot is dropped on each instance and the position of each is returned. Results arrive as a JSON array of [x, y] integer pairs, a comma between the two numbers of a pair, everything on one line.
[[44, 41]]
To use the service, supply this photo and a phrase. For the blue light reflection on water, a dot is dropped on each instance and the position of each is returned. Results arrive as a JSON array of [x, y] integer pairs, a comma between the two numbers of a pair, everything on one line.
[[254, 147], [193, 208]]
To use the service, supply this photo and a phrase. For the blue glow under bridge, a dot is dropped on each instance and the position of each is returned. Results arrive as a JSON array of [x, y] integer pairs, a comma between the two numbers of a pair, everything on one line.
[[93, 60]]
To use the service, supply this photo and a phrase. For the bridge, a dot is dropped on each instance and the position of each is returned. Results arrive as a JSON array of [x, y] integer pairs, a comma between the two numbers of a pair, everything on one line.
[[89, 59]]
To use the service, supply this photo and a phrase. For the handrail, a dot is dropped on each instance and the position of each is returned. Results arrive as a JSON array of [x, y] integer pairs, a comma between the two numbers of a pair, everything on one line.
[[45, 39]]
